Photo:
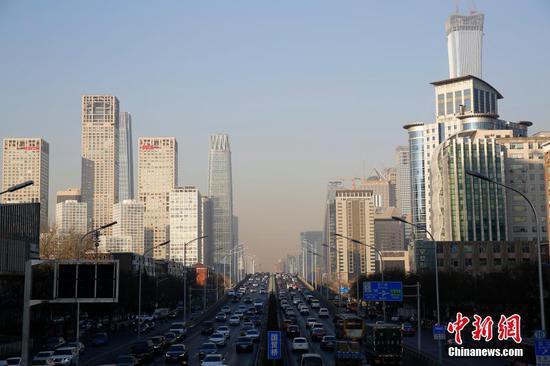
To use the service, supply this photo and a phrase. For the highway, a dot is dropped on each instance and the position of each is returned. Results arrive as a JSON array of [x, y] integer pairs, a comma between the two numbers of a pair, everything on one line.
[[122, 342]]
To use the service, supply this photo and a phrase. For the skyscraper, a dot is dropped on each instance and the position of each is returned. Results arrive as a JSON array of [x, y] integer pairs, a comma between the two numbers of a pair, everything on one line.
[[100, 157], [206, 228], [157, 176], [354, 219], [464, 44], [220, 191], [126, 158], [129, 217], [25, 159], [403, 189], [186, 226], [69, 194]]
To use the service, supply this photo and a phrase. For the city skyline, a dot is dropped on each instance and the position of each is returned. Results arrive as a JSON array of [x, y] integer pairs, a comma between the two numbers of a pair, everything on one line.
[[250, 183]]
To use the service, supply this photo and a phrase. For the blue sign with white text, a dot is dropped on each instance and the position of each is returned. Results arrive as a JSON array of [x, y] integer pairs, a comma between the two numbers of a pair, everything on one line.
[[274, 345], [382, 291]]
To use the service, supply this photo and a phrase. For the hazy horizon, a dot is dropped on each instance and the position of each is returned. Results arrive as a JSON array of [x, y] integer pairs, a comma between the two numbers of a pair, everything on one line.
[[306, 91]]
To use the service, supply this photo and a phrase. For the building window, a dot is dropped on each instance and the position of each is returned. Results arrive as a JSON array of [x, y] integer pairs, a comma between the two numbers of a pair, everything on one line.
[[441, 104], [497, 261], [481, 101], [482, 261], [450, 106], [467, 100], [496, 248], [468, 262], [476, 100], [511, 248], [458, 100]]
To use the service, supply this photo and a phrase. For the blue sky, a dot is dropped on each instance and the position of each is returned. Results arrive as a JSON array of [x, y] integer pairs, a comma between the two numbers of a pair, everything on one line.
[[307, 90]]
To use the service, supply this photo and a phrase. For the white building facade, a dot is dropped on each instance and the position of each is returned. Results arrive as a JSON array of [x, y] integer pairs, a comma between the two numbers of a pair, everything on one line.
[[186, 226], [129, 217], [71, 217]]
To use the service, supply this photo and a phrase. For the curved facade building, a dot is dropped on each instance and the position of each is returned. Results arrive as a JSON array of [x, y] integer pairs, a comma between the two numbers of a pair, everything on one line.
[[466, 208]]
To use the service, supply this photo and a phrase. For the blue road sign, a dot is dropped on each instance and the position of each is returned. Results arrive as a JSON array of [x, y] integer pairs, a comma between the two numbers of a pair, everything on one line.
[[542, 351], [344, 290], [382, 291], [274, 345], [540, 334], [438, 332]]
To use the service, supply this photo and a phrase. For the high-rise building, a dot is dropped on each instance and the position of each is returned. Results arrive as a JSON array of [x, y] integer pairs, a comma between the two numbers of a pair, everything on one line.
[[115, 244], [546, 150], [157, 177], [126, 158], [329, 253], [388, 233], [465, 208], [72, 194], [206, 228], [186, 226], [100, 157], [312, 242], [382, 190], [27, 159], [220, 191], [129, 217], [355, 219], [524, 171], [71, 217], [403, 184], [464, 44]]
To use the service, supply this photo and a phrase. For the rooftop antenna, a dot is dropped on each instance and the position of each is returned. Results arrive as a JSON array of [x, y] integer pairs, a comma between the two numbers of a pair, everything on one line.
[[474, 8], [457, 10]]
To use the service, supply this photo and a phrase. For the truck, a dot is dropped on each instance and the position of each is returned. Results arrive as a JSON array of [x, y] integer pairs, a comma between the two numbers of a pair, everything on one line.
[[348, 353], [383, 343]]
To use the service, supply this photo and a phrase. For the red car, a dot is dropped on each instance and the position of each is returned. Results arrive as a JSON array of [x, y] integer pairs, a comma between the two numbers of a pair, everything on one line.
[[318, 333]]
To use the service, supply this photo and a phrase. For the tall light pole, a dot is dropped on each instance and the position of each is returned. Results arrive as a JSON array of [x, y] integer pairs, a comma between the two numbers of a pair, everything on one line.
[[338, 251], [355, 241], [417, 226], [139, 289], [185, 273], [18, 187], [77, 255], [307, 249], [539, 254]]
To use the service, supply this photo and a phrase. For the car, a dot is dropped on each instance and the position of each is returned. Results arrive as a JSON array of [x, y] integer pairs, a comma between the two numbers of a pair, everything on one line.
[[213, 360], [207, 327], [328, 343], [54, 342], [234, 320], [304, 311], [240, 314], [244, 330], [408, 329], [235, 299], [311, 359], [14, 361], [127, 360], [247, 300], [143, 350], [78, 345], [44, 355], [64, 356], [323, 313], [300, 344], [244, 344], [318, 333], [248, 323], [158, 343], [207, 349], [177, 353], [253, 334], [292, 331], [224, 330], [221, 317], [315, 304], [226, 309], [310, 322], [179, 328], [170, 338], [218, 339], [100, 339]]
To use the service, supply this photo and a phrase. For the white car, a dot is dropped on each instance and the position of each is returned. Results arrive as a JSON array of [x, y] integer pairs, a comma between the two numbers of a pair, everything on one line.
[[323, 313], [240, 314], [44, 355], [253, 334], [315, 304], [310, 322], [65, 356], [213, 359], [224, 330], [234, 320], [218, 339], [300, 344], [311, 359], [14, 361]]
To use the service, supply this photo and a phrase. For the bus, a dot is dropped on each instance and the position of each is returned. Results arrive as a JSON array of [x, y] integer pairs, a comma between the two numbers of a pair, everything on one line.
[[348, 326]]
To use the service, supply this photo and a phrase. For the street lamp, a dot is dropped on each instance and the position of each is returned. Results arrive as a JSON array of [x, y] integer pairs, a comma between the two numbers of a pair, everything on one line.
[[185, 273], [77, 255], [541, 288], [417, 226], [139, 291], [355, 241], [338, 251], [18, 186]]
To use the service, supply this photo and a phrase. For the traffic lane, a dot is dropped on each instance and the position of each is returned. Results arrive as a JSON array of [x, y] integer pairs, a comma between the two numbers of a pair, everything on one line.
[[315, 346], [429, 345]]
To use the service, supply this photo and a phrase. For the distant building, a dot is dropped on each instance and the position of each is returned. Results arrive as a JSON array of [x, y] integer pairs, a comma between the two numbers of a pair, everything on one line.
[[403, 184], [464, 44], [116, 244], [70, 194], [129, 217], [27, 159], [206, 228], [355, 219], [396, 260], [100, 157], [157, 177], [186, 226], [388, 233], [546, 149], [312, 241], [382, 190], [126, 158], [71, 217]]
